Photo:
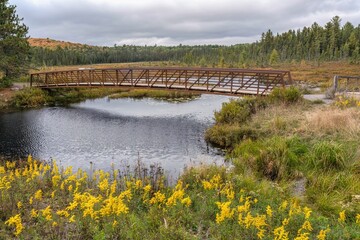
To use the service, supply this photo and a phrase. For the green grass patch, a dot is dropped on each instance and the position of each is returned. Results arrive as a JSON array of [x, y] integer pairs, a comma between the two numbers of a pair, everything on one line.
[[156, 94]]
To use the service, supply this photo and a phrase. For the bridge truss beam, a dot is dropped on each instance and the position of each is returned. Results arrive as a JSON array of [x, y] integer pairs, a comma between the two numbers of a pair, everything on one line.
[[211, 80]]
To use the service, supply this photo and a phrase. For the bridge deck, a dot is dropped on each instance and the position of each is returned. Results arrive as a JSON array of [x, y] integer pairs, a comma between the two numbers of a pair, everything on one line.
[[214, 80]]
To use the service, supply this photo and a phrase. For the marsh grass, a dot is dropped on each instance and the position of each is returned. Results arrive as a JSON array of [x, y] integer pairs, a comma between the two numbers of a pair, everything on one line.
[[295, 139], [170, 95]]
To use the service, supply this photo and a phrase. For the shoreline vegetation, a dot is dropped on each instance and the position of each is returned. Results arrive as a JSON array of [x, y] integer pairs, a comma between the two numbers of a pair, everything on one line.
[[35, 98]]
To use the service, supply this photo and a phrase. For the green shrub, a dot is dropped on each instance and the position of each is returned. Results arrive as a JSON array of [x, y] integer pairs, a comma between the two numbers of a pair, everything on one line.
[[30, 97], [286, 95], [238, 111], [227, 136]]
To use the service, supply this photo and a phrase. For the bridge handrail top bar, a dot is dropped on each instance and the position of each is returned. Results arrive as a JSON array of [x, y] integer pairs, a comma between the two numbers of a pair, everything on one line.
[[235, 70]]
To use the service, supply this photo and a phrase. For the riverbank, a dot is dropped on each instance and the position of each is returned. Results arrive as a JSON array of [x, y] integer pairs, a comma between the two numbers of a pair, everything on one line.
[[14, 98], [308, 147]]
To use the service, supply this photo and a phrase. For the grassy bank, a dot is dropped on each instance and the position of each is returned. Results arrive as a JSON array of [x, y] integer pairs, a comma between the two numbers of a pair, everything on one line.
[[170, 95], [44, 201], [310, 148], [33, 97]]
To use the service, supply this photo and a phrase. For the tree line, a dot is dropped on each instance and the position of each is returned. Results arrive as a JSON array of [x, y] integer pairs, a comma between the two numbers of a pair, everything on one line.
[[330, 42]]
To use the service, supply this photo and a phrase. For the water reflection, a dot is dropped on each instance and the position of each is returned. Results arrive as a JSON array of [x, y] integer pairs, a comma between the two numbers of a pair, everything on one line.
[[117, 131]]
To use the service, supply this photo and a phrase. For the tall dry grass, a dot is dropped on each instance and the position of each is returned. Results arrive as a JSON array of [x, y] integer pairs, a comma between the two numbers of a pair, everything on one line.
[[329, 121]]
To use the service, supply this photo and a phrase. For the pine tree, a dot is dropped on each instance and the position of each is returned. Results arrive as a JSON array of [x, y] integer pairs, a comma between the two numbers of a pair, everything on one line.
[[14, 47], [274, 57]]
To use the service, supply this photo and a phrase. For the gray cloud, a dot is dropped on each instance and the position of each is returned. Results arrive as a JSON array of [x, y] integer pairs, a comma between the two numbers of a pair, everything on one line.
[[170, 22]]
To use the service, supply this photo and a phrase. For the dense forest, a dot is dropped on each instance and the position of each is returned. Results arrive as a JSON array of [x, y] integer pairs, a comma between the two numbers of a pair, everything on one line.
[[331, 42]]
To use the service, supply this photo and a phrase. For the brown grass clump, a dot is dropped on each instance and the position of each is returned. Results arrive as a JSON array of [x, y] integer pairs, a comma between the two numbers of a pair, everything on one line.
[[333, 121]]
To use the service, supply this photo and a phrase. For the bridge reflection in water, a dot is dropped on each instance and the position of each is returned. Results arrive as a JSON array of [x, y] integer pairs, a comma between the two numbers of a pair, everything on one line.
[[208, 80]]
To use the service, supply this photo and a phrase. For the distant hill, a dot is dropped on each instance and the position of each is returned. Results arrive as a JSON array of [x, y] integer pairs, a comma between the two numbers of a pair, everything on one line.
[[52, 44]]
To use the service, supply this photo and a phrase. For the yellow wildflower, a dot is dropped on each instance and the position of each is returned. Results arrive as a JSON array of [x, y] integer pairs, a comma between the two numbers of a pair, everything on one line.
[[225, 211], [261, 233], [342, 217], [54, 224], [72, 219], [2, 170], [46, 213], [70, 188], [19, 205], [186, 201], [307, 212], [306, 226], [285, 221], [358, 218], [138, 184], [113, 187], [280, 233], [115, 223], [158, 198], [302, 236], [55, 180], [147, 188], [63, 213], [244, 208], [127, 193], [207, 185], [53, 194], [15, 220], [322, 234], [33, 213], [269, 211], [38, 195], [104, 185], [248, 220], [31, 200]]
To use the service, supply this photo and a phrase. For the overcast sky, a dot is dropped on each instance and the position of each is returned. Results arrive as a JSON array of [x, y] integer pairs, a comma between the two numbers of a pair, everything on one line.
[[171, 22]]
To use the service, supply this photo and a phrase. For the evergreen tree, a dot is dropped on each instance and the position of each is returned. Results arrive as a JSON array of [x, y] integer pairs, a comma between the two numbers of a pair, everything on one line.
[[274, 57], [14, 47]]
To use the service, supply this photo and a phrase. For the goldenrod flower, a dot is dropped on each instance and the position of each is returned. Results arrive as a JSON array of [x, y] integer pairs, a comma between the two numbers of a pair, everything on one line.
[[46, 213], [19, 205], [307, 212], [2, 170], [158, 198], [186, 201], [280, 233], [306, 226], [72, 219], [358, 219], [33, 213], [342, 217], [225, 211], [269, 211], [63, 213], [285, 221], [322, 234], [104, 185], [15, 220], [38, 195], [302, 236]]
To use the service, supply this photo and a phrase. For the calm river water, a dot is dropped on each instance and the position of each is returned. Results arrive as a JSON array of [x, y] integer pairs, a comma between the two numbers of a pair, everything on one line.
[[117, 132]]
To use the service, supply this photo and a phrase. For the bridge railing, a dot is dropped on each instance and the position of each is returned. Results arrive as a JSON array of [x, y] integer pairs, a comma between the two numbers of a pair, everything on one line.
[[346, 84], [215, 80]]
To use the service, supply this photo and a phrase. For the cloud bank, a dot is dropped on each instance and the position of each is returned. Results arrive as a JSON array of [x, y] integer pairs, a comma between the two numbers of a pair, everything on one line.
[[173, 22]]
